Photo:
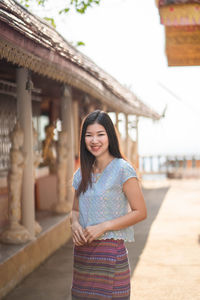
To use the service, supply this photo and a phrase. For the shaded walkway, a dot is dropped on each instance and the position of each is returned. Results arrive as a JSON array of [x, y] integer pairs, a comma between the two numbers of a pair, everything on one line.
[[164, 260], [50, 281], [154, 198]]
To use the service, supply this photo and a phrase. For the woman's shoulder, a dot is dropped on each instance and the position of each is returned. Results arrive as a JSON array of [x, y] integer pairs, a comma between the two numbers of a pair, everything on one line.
[[77, 173], [125, 169], [123, 164], [76, 179]]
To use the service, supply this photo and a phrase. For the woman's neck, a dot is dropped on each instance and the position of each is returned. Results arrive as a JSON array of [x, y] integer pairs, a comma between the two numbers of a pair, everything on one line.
[[101, 162]]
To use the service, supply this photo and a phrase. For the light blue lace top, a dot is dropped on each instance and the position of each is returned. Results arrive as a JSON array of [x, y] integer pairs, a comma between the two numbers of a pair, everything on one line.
[[105, 199]]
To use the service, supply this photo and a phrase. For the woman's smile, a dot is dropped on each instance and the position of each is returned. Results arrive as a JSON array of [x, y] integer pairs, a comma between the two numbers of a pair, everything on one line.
[[95, 148], [96, 139]]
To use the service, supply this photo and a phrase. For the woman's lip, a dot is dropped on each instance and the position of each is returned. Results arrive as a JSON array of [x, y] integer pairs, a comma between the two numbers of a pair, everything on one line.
[[95, 148]]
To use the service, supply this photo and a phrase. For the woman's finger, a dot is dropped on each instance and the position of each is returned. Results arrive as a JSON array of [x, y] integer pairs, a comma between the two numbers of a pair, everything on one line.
[[79, 237], [90, 239], [77, 242], [76, 236], [89, 236]]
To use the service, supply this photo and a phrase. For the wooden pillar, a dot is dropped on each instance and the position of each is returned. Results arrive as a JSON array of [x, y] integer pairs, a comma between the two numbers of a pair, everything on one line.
[[24, 111], [126, 138], [167, 164], [143, 164], [118, 132], [136, 141], [151, 163], [91, 107], [117, 121], [76, 127], [104, 107], [159, 163], [68, 125]]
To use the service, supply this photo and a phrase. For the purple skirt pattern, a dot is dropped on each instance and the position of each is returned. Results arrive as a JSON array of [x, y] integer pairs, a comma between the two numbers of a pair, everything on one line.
[[101, 271]]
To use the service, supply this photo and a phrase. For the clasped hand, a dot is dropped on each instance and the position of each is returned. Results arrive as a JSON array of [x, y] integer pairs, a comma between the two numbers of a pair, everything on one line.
[[82, 236]]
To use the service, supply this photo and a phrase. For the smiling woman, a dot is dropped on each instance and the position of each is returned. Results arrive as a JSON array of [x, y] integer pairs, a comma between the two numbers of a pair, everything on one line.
[[106, 186], [96, 139]]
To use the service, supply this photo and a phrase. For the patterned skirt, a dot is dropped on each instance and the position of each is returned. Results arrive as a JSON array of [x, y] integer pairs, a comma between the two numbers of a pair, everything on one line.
[[101, 271]]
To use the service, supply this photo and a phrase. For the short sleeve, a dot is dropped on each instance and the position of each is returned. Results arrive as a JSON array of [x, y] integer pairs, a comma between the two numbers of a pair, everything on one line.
[[127, 172], [76, 179]]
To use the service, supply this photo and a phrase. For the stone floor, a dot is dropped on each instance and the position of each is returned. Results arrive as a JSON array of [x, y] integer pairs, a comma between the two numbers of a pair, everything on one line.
[[165, 260]]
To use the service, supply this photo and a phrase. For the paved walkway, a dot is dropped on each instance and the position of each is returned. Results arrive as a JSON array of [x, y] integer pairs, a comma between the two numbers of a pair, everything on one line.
[[165, 260]]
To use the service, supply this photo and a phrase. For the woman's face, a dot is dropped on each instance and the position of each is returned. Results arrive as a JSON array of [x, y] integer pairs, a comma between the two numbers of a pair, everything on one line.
[[96, 140]]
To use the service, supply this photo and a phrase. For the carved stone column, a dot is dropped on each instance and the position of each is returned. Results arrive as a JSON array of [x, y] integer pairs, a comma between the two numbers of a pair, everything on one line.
[[15, 233], [68, 125], [37, 159], [24, 111], [63, 206]]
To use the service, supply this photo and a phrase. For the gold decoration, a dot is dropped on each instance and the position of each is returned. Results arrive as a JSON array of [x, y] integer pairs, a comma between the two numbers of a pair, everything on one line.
[[49, 151]]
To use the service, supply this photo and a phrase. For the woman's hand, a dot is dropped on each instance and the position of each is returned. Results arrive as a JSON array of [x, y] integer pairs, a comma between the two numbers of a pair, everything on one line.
[[93, 232], [77, 230], [78, 236]]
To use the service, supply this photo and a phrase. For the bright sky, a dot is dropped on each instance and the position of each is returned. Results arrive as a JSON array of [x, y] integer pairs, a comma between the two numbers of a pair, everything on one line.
[[125, 38]]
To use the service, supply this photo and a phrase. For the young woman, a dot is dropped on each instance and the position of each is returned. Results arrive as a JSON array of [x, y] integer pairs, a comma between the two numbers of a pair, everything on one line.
[[108, 202]]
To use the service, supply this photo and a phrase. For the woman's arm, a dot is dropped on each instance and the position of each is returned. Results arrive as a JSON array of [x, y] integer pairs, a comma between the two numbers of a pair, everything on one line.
[[138, 212], [77, 231]]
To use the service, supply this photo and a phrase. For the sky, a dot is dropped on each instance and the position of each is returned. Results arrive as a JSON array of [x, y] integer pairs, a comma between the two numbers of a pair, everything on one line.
[[126, 39]]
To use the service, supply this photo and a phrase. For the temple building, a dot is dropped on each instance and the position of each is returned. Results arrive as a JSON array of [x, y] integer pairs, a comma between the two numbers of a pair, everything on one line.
[[46, 88], [181, 19]]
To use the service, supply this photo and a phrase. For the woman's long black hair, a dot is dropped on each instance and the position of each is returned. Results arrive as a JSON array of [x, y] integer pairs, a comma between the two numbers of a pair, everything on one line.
[[86, 158]]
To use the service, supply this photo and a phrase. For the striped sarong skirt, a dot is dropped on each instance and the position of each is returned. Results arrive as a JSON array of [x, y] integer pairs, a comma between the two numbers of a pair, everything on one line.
[[101, 271]]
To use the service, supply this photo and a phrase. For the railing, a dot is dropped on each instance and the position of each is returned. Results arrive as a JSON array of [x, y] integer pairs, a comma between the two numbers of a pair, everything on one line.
[[169, 164]]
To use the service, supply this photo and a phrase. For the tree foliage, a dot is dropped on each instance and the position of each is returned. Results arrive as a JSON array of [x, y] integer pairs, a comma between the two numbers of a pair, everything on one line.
[[78, 6]]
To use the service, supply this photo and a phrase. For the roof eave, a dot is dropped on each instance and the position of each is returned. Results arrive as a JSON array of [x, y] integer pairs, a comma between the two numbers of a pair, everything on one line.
[[49, 54]]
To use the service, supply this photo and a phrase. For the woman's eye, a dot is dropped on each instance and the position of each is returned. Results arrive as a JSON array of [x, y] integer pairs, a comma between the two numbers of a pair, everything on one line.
[[101, 134]]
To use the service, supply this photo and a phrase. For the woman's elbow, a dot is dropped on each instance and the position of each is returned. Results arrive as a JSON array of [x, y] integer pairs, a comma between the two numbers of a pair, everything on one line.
[[143, 215]]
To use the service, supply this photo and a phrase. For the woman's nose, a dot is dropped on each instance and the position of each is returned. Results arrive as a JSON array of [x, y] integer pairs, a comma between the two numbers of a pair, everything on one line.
[[94, 139]]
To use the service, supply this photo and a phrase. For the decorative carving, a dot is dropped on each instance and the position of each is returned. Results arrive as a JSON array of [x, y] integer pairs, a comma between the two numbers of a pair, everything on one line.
[[62, 206], [15, 233], [36, 161], [99, 86], [180, 14], [37, 156], [7, 122]]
